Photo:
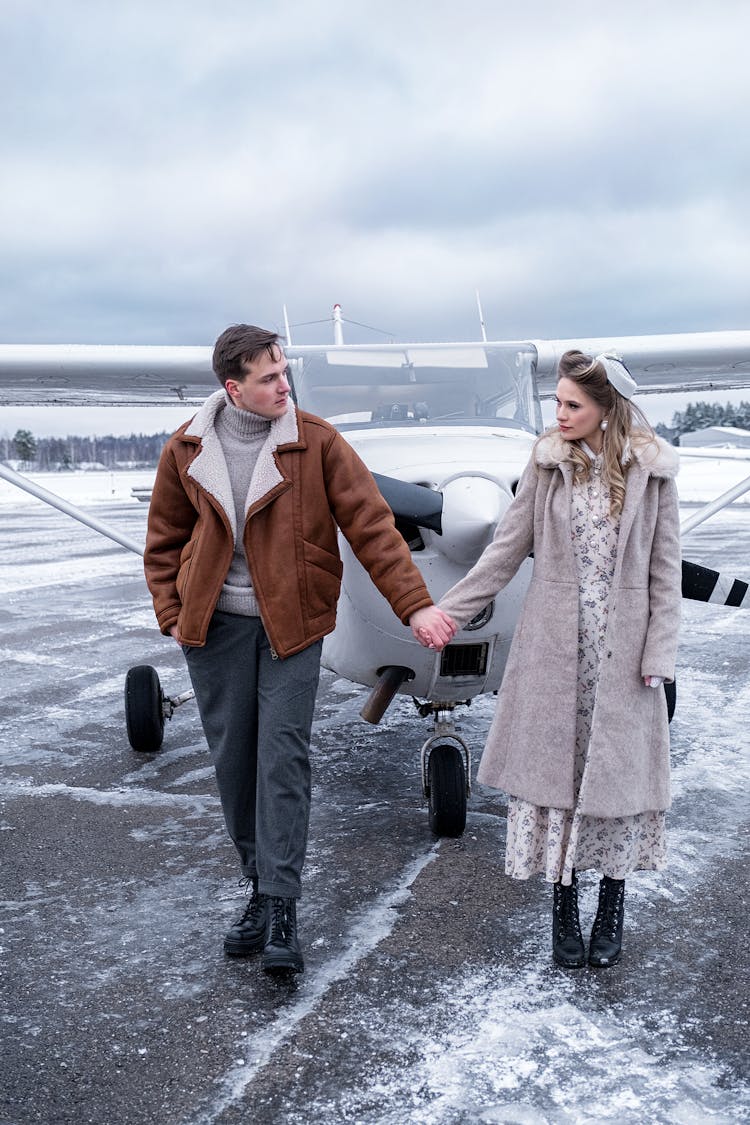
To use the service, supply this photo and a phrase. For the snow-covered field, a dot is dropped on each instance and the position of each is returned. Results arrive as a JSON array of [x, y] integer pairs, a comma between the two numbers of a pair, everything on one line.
[[699, 480], [80, 488], [702, 479]]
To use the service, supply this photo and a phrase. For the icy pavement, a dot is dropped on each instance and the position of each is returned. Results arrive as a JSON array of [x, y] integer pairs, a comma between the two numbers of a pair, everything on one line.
[[429, 994]]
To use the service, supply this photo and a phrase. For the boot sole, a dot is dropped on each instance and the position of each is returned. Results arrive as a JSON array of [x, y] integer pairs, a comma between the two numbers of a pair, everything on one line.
[[569, 964], [610, 961], [243, 949], [282, 965]]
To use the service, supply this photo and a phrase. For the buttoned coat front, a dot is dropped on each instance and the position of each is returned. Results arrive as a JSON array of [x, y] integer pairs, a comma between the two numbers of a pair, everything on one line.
[[530, 751]]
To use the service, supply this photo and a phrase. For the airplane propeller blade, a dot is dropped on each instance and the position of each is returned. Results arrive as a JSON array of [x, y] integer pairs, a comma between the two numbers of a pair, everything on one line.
[[700, 584], [413, 502]]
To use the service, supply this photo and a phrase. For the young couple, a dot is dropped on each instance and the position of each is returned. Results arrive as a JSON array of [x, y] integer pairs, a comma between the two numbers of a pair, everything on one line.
[[243, 566]]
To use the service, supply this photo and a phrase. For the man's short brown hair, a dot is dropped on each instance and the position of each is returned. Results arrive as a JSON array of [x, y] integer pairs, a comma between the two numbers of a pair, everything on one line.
[[240, 344]]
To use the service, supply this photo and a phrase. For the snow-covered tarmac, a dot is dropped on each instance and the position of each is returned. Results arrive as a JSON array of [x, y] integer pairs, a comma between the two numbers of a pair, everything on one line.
[[429, 994]]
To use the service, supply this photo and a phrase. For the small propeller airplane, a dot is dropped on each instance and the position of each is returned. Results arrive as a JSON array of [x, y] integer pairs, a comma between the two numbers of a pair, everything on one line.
[[446, 429]]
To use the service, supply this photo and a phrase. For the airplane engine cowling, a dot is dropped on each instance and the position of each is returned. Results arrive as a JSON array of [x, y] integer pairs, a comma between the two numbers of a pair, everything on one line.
[[473, 505]]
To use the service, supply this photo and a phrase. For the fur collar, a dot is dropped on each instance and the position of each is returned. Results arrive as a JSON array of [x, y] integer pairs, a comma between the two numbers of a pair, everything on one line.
[[658, 458], [209, 467]]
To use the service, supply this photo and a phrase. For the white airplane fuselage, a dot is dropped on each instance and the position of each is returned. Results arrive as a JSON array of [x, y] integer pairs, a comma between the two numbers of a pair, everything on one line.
[[476, 469]]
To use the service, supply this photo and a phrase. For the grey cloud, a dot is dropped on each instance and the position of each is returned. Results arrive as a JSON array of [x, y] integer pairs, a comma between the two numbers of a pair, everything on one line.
[[169, 168]]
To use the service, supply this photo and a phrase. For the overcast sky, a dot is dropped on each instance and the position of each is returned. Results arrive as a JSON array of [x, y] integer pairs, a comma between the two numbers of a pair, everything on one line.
[[172, 167]]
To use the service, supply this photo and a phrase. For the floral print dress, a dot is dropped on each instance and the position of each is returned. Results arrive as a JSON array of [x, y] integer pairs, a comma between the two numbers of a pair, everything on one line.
[[553, 842]]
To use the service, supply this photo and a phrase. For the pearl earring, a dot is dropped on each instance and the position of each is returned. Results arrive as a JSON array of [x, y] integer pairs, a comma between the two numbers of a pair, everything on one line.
[[603, 424]]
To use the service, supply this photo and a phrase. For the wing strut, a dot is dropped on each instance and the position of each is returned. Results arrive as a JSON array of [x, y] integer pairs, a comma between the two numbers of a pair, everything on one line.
[[69, 509], [715, 506]]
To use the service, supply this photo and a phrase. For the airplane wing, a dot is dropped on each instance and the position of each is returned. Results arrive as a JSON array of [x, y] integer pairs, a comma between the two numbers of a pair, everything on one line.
[[691, 361], [104, 374], [158, 375]]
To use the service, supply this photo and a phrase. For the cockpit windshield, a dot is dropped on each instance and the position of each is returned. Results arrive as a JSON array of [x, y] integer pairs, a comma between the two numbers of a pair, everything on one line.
[[418, 384]]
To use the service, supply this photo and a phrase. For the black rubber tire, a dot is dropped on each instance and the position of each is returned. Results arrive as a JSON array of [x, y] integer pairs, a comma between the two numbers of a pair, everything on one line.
[[144, 714], [446, 777], [670, 690]]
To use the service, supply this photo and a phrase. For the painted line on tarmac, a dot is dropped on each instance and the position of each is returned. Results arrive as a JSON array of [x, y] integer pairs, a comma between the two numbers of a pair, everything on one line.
[[121, 797], [373, 926]]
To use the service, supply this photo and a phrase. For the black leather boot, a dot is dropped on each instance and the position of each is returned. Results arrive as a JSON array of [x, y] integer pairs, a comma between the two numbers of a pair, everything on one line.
[[606, 934], [568, 949], [248, 934], [281, 953]]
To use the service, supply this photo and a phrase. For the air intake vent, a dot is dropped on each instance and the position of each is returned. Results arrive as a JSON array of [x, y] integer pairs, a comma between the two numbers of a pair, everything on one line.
[[464, 660]]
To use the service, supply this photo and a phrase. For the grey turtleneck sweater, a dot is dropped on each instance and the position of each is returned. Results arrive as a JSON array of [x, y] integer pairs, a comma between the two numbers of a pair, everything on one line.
[[241, 435]]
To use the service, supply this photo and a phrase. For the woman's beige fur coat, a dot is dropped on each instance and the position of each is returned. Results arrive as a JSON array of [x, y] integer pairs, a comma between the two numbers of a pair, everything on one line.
[[531, 744]]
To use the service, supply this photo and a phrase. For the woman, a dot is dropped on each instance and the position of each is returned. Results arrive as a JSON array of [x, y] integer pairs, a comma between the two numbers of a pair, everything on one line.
[[580, 740]]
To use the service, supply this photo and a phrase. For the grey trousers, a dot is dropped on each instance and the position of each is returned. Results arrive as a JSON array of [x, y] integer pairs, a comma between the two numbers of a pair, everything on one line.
[[257, 712]]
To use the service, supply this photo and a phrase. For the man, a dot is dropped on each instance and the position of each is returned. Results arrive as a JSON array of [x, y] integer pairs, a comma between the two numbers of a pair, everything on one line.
[[243, 566]]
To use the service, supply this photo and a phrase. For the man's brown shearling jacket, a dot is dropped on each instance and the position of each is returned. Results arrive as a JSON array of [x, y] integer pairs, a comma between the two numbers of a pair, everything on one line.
[[307, 481]]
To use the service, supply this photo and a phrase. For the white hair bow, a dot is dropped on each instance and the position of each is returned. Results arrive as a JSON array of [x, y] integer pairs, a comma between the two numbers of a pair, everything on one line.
[[618, 374]]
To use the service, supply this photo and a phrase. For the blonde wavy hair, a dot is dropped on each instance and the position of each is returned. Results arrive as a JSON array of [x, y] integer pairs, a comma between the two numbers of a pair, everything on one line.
[[626, 425]]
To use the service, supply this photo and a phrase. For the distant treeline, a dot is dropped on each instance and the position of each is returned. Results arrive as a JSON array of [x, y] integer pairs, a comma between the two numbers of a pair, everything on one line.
[[700, 415], [49, 453], [142, 450]]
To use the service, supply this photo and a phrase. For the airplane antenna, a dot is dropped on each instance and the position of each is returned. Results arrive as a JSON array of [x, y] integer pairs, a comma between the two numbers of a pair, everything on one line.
[[481, 318], [338, 328], [287, 329]]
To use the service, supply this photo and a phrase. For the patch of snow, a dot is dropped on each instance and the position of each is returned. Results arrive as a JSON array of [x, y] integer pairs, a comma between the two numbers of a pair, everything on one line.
[[371, 927], [119, 797]]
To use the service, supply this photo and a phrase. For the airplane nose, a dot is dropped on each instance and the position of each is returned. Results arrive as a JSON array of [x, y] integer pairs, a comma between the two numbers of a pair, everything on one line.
[[472, 508]]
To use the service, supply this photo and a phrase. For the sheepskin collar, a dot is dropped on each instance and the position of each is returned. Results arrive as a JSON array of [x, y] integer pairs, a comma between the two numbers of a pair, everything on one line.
[[209, 468], [283, 429], [658, 458]]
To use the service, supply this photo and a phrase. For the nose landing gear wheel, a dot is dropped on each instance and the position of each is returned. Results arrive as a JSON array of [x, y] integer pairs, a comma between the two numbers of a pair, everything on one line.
[[144, 709], [446, 790]]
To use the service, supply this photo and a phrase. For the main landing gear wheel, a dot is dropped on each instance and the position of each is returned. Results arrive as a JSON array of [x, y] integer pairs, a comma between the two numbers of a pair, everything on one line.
[[144, 709], [446, 790]]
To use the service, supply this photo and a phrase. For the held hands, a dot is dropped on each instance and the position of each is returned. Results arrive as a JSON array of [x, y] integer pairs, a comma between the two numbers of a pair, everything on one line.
[[433, 628], [653, 681]]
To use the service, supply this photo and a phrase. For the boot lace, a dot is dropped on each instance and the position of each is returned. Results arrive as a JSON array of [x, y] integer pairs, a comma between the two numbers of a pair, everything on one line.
[[250, 913], [254, 904], [568, 912], [608, 913], [279, 920]]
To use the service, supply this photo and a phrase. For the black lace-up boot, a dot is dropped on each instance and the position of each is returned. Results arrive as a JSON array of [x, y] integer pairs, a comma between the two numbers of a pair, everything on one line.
[[606, 934], [568, 949], [281, 953], [248, 934]]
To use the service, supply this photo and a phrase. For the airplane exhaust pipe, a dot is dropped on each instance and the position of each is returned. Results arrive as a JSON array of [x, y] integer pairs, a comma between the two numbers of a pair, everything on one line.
[[381, 696]]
